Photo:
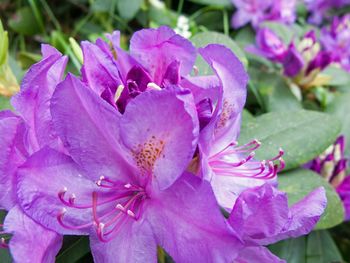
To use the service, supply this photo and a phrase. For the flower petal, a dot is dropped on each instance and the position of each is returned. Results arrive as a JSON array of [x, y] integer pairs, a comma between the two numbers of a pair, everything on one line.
[[233, 77], [99, 70], [155, 49], [276, 221], [39, 181], [188, 224], [33, 101], [344, 192], [89, 128], [30, 241], [134, 243], [11, 156], [160, 128]]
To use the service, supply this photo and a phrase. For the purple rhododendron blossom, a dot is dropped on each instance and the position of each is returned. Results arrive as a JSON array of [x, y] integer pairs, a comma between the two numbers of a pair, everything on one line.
[[336, 38], [332, 166], [137, 153], [257, 12]]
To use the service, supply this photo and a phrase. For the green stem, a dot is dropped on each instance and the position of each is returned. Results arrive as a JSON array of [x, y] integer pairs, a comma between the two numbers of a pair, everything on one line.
[[180, 6], [226, 22], [51, 15], [37, 15]]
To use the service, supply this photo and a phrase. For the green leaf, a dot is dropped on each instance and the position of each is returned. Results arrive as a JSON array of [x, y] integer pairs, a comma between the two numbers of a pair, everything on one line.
[[5, 256], [317, 247], [5, 103], [283, 31], [128, 8], [75, 251], [24, 22], [321, 248], [293, 250], [274, 91], [204, 38], [301, 134], [298, 183], [339, 77], [340, 107], [223, 3]]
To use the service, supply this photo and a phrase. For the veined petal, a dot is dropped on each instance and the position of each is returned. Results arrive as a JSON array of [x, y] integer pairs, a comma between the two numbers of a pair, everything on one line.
[[30, 241], [160, 129], [233, 78], [258, 254], [89, 128], [134, 243], [40, 181], [155, 49], [11, 156], [188, 224], [33, 101], [99, 70]]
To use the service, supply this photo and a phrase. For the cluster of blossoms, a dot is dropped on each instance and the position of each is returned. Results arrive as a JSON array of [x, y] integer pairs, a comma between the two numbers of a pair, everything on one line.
[[302, 59], [139, 154], [256, 12], [336, 38], [332, 166], [319, 9]]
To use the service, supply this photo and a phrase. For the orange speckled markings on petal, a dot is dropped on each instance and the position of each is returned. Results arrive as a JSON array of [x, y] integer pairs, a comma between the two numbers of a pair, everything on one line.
[[227, 110], [147, 153]]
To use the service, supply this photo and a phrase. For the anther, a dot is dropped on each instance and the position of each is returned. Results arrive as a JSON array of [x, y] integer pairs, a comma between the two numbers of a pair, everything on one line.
[[131, 213], [118, 93], [127, 186], [120, 207], [154, 86]]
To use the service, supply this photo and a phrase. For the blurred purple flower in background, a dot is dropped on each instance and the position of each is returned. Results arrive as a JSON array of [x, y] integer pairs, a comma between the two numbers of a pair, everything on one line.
[[336, 38], [320, 9], [332, 165], [257, 12]]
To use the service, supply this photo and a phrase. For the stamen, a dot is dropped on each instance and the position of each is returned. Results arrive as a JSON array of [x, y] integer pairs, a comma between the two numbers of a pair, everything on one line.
[[118, 93], [130, 213], [153, 86]]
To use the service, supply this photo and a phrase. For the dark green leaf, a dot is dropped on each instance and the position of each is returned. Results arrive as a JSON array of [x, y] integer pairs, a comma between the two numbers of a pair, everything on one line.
[[274, 91], [128, 8], [301, 134], [24, 22], [204, 38], [340, 107], [298, 183], [75, 251], [224, 3], [293, 250]]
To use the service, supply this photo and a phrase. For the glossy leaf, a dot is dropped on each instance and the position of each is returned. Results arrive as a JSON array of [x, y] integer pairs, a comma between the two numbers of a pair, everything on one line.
[[301, 134]]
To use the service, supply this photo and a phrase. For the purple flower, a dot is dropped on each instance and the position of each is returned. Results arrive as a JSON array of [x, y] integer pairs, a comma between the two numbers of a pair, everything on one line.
[[256, 12], [157, 57], [125, 183], [335, 39], [319, 9], [22, 135], [229, 168], [276, 221], [269, 46], [332, 166]]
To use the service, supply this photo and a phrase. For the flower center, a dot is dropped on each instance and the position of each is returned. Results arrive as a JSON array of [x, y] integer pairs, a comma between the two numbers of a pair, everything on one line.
[[111, 207], [229, 162]]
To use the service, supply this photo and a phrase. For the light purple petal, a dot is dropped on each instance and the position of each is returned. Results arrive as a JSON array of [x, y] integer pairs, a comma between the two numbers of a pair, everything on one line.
[[269, 207], [30, 241], [344, 192], [11, 156], [155, 49], [160, 128], [99, 71], [89, 128], [240, 18], [223, 129], [135, 243], [39, 182], [188, 224], [33, 101]]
